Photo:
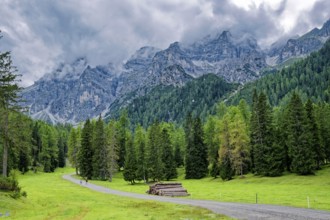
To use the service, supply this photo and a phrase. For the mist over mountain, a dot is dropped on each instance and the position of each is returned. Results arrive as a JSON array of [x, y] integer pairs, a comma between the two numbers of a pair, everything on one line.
[[76, 91]]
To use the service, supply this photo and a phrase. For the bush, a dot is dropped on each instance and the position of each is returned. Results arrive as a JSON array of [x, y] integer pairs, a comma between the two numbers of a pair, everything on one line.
[[8, 184], [24, 194], [11, 184]]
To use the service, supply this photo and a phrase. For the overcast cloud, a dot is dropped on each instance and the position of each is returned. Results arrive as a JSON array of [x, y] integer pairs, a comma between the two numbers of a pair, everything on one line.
[[43, 33]]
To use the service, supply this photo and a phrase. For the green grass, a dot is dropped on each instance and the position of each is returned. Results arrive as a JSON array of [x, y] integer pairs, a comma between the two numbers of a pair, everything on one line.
[[51, 197], [288, 190]]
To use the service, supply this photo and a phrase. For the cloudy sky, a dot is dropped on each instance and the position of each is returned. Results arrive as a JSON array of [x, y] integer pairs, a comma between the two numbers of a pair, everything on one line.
[[42, 33]]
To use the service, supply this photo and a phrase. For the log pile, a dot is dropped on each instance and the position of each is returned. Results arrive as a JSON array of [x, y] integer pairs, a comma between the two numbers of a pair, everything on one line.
[[168, 189]]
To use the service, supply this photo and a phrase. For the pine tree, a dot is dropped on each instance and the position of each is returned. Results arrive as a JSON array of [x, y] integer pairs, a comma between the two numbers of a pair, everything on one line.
[[112, 149], [74, 144], [61, 151], [123, 132], [140, 144], [155, 163], [36, 145], [315, 134], [196, 154], [323, 117], [9, 99], [49, 153], [170, 171], [179, 146], [130, 166], [299, 139], [85, 156], [239, 141], [267, 156], [20, 142], [100, 151], [225, 152], [211, 138]]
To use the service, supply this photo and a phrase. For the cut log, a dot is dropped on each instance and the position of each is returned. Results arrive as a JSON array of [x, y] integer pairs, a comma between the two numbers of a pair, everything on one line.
[[168, 189]]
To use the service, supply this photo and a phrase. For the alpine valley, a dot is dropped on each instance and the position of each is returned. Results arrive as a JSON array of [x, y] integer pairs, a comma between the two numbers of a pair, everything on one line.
[[77, 91]]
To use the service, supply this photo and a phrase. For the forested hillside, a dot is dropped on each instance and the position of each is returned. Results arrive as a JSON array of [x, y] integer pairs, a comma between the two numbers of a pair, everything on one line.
[[169, 103], [309, 78]]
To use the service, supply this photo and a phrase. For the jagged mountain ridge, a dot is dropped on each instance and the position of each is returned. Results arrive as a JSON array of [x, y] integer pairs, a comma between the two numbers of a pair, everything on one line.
[[299, 47], [77, 91]]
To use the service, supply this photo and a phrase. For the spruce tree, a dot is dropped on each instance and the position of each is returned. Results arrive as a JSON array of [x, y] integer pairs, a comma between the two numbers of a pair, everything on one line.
[[155, 163], [74, 144], [212, 142], [36, 145], [239, 141], [9, 99], [196, 155], [267, 157], [225, 152], [112, 149], [123, 133], [100, 151], [61, 151], [179, 146], [315, 134], [85, 156], [299, 138], [170, 171], [130, 166], [140, 144]]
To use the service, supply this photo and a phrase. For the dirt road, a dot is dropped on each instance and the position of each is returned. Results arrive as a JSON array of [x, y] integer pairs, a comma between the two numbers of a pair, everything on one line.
[[234, 210]]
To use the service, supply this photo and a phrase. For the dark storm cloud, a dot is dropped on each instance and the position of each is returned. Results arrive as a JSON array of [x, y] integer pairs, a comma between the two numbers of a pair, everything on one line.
[[43, 33]]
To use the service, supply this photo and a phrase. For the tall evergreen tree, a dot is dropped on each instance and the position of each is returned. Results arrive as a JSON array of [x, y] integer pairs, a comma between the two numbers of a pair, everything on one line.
[[211, 138], [49, 153], [130, 166], [61, 151], [323, 117], [179, 146], [123, 132], [9, 99], [140, 144], [239, 141], [112, 149], [155, 163], [263, 139], [225, 152], [100, 156], [196, 154], [36, 145], [85, 156], [314, 130], [170, 171], [299, 139], [74, 144]]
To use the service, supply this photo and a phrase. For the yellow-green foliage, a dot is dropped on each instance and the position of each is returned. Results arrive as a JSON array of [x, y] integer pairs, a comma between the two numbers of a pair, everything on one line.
[[51, 197]]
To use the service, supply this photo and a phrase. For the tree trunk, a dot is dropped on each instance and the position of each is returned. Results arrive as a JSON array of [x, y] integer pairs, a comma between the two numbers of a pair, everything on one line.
[[5, 145]]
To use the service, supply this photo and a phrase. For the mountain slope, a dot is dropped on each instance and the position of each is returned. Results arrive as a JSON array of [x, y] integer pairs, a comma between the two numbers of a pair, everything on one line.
[[76, 91], [169, 103], [309, 77], [300, 47]]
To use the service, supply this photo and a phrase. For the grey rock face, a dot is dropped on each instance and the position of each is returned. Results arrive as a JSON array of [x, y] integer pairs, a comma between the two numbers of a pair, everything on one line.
[[300, 47], [74, 92]]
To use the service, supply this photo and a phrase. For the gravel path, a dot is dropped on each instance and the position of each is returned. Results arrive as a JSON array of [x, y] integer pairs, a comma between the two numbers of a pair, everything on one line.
[[234, 210]]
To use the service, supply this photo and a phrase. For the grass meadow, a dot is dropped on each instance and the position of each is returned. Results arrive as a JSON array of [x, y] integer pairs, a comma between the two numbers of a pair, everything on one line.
[[51, 197], [287, 190]]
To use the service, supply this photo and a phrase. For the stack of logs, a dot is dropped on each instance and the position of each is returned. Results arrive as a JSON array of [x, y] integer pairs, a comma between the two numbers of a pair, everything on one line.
[[168, 189]]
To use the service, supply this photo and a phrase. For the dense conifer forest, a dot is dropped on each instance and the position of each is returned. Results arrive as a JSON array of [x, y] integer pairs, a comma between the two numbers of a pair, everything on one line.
[[277, 124]]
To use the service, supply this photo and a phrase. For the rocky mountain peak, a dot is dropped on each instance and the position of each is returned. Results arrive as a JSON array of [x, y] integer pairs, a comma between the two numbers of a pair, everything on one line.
[[224, 36], [68, 71], [76, 91]]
